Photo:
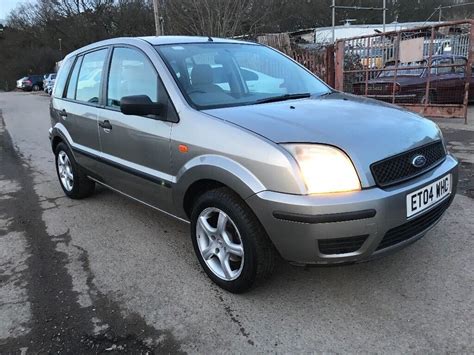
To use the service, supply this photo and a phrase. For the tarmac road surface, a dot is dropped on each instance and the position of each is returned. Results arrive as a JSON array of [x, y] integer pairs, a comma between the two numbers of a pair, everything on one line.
[[106, 274]]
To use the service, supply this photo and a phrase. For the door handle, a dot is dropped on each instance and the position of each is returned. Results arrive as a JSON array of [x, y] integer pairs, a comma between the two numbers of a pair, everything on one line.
[[105, 125], [63, 113]]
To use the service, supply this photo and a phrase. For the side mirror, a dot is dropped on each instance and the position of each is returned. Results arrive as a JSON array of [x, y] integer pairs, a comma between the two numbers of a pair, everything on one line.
[[140, 105]]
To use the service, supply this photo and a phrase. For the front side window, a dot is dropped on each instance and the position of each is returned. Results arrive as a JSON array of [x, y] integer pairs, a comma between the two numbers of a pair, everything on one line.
[[90, 74], [212, 75], [131, 73], [442, 66]]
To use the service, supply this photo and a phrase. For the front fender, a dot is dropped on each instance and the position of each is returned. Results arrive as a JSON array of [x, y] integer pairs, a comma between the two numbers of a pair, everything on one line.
[[218, 168]]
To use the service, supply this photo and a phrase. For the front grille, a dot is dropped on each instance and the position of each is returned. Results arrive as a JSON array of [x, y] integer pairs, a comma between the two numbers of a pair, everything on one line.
[[414, 227], [399, 168], [341, 245]]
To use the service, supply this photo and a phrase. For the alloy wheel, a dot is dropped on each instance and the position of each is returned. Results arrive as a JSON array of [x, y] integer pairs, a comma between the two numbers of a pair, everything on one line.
[[220, 243], [65, 171]]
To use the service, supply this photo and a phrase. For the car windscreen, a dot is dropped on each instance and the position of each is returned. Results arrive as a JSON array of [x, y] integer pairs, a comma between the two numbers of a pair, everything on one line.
[[412, 69], [213, 75]]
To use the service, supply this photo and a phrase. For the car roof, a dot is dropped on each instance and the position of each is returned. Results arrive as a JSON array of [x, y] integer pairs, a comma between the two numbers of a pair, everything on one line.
[[156, 41], [441, 56], [434, 57], [160, 40]]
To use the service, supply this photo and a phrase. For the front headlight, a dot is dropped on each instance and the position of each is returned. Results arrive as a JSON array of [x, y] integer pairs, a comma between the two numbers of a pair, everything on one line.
[[324, 168]]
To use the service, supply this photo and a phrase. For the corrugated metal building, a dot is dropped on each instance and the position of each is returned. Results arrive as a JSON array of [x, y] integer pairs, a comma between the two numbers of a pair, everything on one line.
[[323, 35]]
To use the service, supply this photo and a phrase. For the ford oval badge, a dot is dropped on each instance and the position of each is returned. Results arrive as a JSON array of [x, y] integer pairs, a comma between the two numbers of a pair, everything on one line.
[[418, 161]]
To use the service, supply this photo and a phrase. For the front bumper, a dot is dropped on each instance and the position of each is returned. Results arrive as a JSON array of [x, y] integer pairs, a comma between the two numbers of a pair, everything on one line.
[[369, 213]]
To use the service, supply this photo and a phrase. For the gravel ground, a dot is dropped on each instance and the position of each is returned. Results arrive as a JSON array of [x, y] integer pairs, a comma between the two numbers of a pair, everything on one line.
[[108, 275]]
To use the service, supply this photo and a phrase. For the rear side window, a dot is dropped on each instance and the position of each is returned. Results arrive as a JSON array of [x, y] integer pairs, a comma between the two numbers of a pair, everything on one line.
[[131, 73], [90, 75], [71, 88], [460, 69], [62, 78]]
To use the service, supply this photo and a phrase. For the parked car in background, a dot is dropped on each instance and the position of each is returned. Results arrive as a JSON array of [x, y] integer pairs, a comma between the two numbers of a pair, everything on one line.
[[47, 79], [447, 80], [50, 86], [19, 82], [252, 149], [30, 83]]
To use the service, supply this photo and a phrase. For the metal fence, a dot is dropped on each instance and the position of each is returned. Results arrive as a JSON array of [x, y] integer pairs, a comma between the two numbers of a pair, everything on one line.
[[426, 69], [320, 62]]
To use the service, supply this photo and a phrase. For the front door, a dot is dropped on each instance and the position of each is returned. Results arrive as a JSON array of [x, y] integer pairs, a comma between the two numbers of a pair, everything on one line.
[[135, 149], [445, 82]]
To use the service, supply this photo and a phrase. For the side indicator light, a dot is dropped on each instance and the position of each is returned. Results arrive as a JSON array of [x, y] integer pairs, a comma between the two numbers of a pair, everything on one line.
[[183, 148]]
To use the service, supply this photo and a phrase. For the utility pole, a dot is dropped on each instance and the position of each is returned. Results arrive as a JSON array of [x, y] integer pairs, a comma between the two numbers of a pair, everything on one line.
[[440, 9], [333, 21], [156, 11], [384, 14]]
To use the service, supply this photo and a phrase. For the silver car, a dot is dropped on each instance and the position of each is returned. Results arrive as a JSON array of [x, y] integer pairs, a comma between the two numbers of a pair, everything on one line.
[[48, 79], [258, 155]]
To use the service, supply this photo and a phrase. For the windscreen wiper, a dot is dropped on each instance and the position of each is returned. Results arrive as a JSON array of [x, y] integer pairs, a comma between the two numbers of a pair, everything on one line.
[[328, 93], [283, 97]]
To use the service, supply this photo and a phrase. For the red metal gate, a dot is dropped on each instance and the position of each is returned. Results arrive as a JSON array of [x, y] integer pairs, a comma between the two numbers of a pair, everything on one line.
[[427, 69], [320, 61]]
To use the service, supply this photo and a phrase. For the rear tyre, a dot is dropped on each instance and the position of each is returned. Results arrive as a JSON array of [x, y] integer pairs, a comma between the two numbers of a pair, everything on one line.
[[35, 87], [229, 241], [73, 180]]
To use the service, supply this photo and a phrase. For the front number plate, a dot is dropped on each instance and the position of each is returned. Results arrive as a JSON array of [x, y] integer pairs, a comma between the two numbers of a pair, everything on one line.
[[421, 199]]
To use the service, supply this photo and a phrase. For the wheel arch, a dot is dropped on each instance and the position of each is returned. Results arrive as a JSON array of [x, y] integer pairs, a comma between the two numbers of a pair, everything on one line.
[[208, 172], [58, 135], [55, 141]]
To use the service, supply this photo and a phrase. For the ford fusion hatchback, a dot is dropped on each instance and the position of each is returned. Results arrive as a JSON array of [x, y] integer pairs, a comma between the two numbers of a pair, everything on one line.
[[260, 157]]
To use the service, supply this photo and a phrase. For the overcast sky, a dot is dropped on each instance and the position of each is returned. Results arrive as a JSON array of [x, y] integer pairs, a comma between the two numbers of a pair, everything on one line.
[[7, 5]]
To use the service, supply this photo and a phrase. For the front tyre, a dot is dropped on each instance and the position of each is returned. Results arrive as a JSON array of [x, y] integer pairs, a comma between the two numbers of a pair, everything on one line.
[[74, 182], [426, 100], [229, 241]]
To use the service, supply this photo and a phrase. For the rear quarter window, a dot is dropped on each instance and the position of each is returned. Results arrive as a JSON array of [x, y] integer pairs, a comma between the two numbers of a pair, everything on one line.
[[71, 86], [62, 77]]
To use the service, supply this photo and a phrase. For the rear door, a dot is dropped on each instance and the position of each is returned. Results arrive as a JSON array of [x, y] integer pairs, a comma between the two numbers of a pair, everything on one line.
[[445, 82], [79, 106], [135, 149]]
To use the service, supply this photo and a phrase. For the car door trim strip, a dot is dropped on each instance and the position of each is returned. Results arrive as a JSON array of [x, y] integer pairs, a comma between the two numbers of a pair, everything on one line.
[[123, 165]]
